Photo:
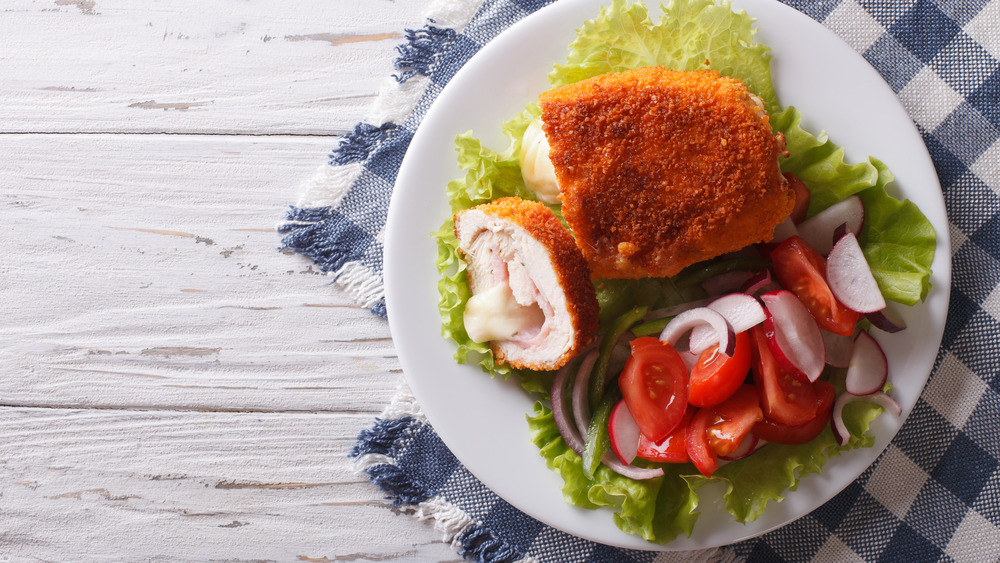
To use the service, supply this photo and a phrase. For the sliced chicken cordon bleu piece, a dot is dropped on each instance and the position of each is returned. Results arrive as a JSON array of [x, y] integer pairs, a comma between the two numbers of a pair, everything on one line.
[[532, 298], [659, 169]]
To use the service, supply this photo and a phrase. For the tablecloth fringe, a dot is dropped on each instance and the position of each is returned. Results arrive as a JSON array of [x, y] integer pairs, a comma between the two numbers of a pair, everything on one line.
[[373, 455], [323, 193], [404, 404]]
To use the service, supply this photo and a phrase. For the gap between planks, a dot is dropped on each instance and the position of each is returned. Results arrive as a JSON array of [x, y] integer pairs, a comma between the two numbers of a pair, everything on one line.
[[333, 134], [168, 409]]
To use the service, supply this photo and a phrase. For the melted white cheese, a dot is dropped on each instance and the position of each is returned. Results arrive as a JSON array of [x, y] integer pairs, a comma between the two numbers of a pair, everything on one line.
[[536, 167], [495, 315]]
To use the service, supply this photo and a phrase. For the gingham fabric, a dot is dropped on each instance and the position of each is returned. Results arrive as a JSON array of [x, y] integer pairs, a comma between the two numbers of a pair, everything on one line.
[[934, 495]]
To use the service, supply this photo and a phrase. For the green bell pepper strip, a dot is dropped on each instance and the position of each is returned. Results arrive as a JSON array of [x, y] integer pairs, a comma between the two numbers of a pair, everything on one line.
[[599, 377], [598, 440], [698, 273]]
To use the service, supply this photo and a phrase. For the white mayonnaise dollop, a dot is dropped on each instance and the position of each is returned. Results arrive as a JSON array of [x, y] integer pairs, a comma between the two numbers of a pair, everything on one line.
[[536, 167]]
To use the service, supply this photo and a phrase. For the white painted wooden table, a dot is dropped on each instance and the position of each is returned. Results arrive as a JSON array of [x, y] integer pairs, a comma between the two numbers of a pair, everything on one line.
[[172, 388]]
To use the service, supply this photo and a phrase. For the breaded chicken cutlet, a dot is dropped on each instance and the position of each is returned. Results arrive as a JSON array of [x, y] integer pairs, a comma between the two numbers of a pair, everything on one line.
[[659, 169], [532, 298]]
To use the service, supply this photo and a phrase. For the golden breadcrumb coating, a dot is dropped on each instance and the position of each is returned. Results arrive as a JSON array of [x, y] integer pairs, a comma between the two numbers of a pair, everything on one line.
[[659, 169], [571, 270]]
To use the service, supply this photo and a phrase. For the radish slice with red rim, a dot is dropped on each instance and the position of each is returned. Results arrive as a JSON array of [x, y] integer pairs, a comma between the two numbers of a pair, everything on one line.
[[819, 229], [686, 321], [840, 431], [850, 278], [786, 363], [838, 348], [793, 335], [868, 369], [623, 433], [739, 309], [886, 320]]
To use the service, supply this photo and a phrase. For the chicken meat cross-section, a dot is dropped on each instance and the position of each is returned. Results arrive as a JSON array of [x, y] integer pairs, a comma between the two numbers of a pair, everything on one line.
[[532, 298], [659, 169]]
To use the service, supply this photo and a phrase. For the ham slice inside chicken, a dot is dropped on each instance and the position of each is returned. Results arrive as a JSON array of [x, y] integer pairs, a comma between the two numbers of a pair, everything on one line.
[[517, 302], [512, 308]]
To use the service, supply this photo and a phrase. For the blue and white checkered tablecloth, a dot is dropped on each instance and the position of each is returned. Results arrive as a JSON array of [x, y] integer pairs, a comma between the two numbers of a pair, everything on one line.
[[941, 58]]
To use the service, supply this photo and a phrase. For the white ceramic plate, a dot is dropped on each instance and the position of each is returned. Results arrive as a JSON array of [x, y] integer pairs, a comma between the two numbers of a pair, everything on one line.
[[481, 419]]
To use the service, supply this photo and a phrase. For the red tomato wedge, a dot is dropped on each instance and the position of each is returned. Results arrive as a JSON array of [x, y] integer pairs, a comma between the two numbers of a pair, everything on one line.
[[736, 417], [800, 269], [671, 449], [654, 385], [774, 431], [714, 378], [802, 197], [782, 397], [720, 430]]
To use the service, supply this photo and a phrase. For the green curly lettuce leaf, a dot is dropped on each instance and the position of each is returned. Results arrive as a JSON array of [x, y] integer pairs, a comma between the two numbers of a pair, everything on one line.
[[657, 510], [897, 239], [489, 175], [820, 163], [689, 35], [898, 242], [660, 509]]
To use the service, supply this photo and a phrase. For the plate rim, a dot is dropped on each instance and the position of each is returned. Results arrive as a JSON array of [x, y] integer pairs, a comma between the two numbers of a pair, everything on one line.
[[393, 291]]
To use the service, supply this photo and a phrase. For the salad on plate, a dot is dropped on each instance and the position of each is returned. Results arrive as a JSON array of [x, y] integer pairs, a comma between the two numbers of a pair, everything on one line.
[[747, 367]]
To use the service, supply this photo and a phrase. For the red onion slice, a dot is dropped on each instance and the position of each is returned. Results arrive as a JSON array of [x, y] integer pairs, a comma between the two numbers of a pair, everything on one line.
[[868, 369], [819, 229], [566, 429], [839, 233], [739, 309], [840, 429], [676, 309], [571, 434], [684, 322], [689, 358], [630, 471], [886, 320], [761, 282], [793, 335], [850, 277], [749, 445]]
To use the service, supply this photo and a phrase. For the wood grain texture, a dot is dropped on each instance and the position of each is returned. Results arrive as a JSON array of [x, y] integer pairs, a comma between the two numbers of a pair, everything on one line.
[[184, 486], [177, 298], [307, 67], [175, 388]]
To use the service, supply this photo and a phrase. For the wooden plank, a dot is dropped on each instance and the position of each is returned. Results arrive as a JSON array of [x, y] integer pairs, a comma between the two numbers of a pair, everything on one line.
[[153, 485], [303, 67], [143, 271], [222, 382]]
